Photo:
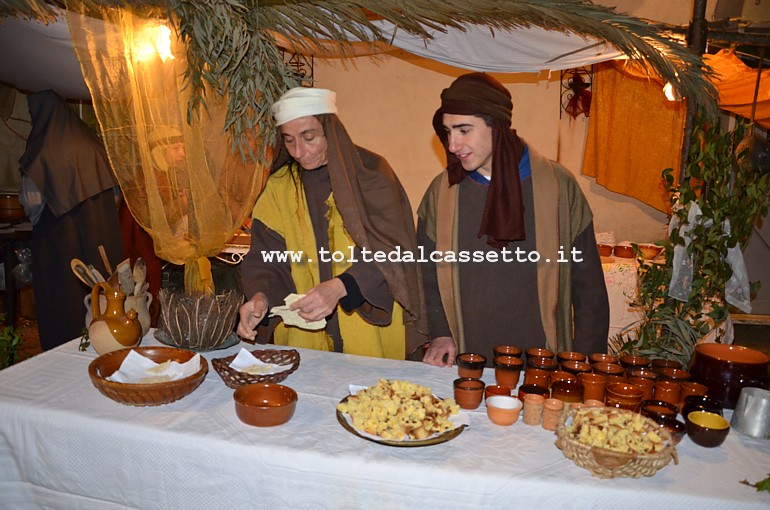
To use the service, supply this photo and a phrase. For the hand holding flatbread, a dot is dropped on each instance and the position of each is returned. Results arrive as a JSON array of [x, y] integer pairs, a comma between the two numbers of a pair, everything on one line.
[[292, 318]]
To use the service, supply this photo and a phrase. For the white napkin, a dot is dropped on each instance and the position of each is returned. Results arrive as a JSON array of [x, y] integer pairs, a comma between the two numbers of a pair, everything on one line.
[[291, 317], [136, 369], [246, 362]]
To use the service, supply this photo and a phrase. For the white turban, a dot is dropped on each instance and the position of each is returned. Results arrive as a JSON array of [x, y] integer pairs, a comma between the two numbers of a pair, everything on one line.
[[301, 102]]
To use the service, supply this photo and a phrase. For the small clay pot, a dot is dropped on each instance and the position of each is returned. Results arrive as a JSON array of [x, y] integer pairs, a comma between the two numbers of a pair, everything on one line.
[[537, 377], [677, 375], [598, 357], [647, 386], [668, 391], [496, 389], [537, 352], [468, 392], [623, 396], [526, 389], [570, 356], [612, 371], [576, 367], [707, 429], [552, 409], [658, 409], [567, 391], [470, 364], [508, 370], [547, 364], [594, 386], [507, 350], [503, 410], [629, 361]]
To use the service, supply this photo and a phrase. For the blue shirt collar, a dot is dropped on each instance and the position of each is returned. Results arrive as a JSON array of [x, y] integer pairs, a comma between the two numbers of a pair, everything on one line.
[[525, 170]]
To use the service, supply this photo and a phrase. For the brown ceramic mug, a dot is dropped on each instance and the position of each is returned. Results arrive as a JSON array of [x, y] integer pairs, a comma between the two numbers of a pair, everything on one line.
[[598, 357], [659, 363], [576, 367], [508, 370], [560, 375], [692, 388], [507, 350], [594, 386], [647, 386], [568, 391], [570, 356], [470, 364], [526, 389], [623, 396], [630, 361], [644, 372], [468, 392], [537, 352], [668, 391], [547, 364], [496, 389], [536, 376], [612, 371], [677, 375]]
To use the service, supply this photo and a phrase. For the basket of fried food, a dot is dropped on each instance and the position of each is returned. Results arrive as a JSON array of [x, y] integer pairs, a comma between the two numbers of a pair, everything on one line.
[[614, 443], [234, 378], [150, 393]]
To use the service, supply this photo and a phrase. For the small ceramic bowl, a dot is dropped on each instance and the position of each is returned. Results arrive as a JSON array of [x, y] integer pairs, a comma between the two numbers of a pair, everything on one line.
[[507, 350], [659, 363], [598, 357], [677, 375], [547, 364], [630, 361], [537, 352], [503, 410], [470, 364], [676, 427], [605, 250], [264, 404], [623, 251], [496, 389], [567, 391], [624, 396], [707, 429], [657, 409], [650, 251], [576, 367], [526, 389], [468, 392], [700, 403], [570, 356]]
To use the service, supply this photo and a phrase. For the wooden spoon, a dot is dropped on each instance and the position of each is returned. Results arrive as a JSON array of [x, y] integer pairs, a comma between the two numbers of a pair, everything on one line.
[[140, 275], [82, 272]]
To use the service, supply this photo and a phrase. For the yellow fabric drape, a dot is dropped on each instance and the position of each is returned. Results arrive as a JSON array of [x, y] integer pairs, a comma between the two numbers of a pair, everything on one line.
[[633, 135], [180, 180], [735, 82], [282, 207]]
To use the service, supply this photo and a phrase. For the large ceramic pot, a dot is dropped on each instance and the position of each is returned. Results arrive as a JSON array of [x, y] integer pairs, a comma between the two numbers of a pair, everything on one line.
[[726, 369]]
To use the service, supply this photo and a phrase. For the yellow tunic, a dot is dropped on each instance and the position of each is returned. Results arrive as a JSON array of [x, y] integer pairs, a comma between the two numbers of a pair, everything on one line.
[[282, 207]]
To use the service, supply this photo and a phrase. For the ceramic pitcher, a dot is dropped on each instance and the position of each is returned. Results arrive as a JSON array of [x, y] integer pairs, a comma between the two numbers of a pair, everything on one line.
[[139, 303], [115, 328]]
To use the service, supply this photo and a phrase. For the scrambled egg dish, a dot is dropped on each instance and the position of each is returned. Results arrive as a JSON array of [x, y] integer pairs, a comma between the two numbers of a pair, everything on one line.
[[399, 410], [616, 431]]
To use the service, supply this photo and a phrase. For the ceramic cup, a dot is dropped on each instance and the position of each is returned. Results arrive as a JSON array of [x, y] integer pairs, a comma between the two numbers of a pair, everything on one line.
[[533, 409], [568, 391], [503, 410], [630, 361], [623, 396], [576, 367], [508, 370], [668, 391], [692, 403], [526, 389], [496, 389], [537, 352], [598, 357], [612, 371], [552, 409], [692, 388], [547, 364], [536, 377], [647, 386], [470, 364], [594, 386], [507, 350], [677, 375], [645, 372], [570, 356], [659, 363], [468, 392], [560, 375]]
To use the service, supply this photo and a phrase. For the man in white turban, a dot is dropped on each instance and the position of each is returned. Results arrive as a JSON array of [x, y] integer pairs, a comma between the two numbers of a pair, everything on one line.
[[327, 196]]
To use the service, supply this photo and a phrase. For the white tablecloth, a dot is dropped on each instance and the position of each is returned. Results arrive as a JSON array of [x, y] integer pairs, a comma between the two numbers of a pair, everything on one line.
[[64, 445]]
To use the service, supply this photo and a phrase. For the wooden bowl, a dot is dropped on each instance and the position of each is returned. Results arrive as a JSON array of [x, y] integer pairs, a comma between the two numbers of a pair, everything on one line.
[[265, 404], [145, 394]]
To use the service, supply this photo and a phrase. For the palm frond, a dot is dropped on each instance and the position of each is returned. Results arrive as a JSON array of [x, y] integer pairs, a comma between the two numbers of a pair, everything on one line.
[[230, 47]]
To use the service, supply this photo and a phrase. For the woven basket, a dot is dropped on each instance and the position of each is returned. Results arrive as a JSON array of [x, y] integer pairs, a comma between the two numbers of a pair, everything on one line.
[[145, 394], [605, 463], [234, 378]]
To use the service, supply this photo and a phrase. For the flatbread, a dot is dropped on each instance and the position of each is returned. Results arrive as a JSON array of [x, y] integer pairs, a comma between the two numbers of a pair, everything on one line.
[[292, 318]]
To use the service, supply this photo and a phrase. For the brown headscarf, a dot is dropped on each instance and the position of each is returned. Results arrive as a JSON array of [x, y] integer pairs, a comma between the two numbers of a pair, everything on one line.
[[376, 212], [479, 93]]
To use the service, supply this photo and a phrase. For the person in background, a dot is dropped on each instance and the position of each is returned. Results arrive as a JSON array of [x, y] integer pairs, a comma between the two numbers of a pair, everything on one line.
[[327, 195], [69, 194], [168, 154], [534, 278]]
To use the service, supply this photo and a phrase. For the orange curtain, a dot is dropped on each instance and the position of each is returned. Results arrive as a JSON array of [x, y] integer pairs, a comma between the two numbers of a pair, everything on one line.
[[735, 82], [633, 135]]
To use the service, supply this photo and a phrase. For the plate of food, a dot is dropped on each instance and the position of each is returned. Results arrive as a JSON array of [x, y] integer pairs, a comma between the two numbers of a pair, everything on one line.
[[400, 413]]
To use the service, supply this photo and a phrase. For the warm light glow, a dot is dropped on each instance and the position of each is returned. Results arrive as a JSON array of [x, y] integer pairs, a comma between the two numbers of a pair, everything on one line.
[[671, 94], [155, 43]]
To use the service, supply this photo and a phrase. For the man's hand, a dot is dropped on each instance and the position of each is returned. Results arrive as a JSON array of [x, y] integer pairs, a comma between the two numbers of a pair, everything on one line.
[[440, 347], [252, 312], [320, 301]]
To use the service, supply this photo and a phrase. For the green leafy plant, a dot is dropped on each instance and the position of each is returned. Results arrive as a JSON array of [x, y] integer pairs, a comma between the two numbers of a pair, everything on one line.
[[725, 185], [9, 345]]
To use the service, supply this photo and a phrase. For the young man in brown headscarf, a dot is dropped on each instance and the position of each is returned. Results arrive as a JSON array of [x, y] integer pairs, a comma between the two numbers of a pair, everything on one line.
[[326, 195], [519, 263]]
